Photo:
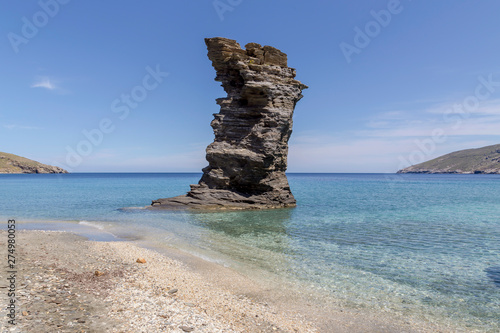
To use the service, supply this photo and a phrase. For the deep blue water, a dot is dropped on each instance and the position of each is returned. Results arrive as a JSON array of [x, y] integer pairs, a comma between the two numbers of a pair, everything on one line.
[[424, 245]]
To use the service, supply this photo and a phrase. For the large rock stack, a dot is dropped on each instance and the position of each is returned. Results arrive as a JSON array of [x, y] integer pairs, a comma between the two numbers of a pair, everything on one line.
[[248, 158]]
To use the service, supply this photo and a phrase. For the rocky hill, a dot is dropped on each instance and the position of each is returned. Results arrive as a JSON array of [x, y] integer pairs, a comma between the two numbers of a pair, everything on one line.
[[10, 163], [470, 161]]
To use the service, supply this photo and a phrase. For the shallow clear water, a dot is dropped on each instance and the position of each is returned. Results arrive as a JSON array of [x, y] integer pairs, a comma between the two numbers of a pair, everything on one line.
[[420, 245]]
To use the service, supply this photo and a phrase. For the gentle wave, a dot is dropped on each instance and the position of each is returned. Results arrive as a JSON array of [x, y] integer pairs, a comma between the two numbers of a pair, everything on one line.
[[92, 224]]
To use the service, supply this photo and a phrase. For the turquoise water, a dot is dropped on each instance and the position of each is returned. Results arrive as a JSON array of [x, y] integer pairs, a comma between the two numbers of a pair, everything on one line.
[[419, 245]]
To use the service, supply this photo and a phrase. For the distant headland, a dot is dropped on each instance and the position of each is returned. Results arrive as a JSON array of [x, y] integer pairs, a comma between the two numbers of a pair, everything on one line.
[[10, 163], [485, 160]]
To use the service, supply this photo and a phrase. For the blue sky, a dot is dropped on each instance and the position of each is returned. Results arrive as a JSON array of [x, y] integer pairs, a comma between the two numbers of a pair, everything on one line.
[[391, 83]]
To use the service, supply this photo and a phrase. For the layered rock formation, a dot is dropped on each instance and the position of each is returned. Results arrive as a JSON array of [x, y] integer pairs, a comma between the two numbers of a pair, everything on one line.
[[248, 158], [485, 160], [10, 163]]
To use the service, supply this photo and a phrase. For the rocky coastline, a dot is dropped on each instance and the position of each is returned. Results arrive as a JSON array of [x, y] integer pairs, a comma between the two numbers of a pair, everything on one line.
[[485, 160], [248, 158], [12, 164]]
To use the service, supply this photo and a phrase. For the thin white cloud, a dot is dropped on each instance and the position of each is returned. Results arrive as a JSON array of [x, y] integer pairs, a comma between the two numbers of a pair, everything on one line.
[[490, 107], [108, 160], [44, 82], [20, 127], [483, 120], [336, 154], [391, 140]]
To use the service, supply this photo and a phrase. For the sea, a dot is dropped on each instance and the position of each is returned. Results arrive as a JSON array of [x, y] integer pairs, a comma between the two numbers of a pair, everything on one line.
[[423, 246]]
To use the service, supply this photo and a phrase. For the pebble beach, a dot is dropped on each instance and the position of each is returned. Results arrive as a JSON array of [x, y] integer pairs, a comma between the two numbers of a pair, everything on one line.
[[66, 283]]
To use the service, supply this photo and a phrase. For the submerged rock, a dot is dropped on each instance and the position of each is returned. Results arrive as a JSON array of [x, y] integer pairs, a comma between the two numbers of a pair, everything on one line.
[[494, 274], [248, 158]]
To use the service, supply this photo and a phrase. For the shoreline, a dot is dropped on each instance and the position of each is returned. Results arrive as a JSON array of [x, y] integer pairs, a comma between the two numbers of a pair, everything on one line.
[[219, 298], [68, 284]]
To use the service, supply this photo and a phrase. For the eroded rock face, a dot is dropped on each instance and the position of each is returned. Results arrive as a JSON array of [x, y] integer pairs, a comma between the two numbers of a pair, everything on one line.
[[248, 158]]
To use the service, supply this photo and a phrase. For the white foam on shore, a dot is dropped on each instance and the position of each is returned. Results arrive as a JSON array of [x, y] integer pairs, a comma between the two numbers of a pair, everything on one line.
[[133, 208], [92, 224], [209, 259]]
